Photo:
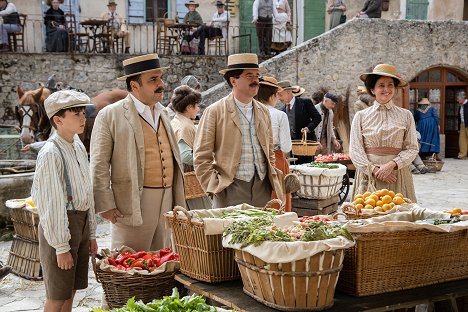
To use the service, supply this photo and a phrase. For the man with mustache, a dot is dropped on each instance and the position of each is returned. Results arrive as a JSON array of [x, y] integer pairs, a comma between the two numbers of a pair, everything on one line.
[[233, 150], [135, 162]]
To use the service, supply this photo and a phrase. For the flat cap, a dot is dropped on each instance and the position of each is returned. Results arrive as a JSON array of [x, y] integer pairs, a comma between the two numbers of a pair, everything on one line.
[[331, 96], [65, 99]]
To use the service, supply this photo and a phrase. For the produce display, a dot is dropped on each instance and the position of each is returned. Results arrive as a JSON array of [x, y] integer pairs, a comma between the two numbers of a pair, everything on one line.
[[331, 157], [323, 165], [380, 201], [456, 212], [141, 260], [258, 230], [252, 213], [172, 303]]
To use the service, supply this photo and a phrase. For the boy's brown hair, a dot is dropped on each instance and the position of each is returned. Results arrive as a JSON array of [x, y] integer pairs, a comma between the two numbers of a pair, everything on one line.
[[61, 113]]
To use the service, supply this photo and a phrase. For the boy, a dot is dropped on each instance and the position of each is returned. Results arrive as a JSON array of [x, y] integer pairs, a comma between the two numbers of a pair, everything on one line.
[[63, 194]]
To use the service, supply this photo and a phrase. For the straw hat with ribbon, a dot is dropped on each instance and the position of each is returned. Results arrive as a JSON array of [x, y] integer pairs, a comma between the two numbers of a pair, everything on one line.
[[192, 2], [424, 101], [270, 81], [386, 70], [242, 61], [298, 91], [140, 64], [286, 85]]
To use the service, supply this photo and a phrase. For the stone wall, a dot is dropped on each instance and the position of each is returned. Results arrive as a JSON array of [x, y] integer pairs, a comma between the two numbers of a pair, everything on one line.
[[335, 59]]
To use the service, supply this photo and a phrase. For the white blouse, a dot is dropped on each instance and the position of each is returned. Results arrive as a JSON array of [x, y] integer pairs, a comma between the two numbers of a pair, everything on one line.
[[281, 133]]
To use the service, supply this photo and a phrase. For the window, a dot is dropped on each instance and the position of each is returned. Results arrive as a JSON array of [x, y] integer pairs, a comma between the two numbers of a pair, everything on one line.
[[141, 11], [156, 9]]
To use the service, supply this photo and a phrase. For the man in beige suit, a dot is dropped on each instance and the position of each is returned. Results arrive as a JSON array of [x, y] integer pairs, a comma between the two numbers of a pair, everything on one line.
[[233, 151], [135, 161]]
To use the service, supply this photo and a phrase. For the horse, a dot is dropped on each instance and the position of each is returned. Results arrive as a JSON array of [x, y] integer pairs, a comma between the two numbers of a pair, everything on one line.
[[34, 123]]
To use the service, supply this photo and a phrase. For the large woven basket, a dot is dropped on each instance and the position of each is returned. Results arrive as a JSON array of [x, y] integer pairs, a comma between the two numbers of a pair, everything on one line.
[[192, 186], [25, 223], [304, 285], [119, 287], [319, 186], [304, 147], [382, 262], [24, 258], [434, 163], [202, 256]]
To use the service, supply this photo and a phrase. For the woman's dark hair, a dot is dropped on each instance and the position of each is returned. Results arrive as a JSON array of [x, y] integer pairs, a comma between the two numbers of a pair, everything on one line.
[[317, 97], [61, 113], [184, 96], [232, 73], [265, 92], [136, 78], [371, 80]]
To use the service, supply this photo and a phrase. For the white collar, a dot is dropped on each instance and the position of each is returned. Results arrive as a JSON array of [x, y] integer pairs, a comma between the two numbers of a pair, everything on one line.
[[142, 107], [243, 105]]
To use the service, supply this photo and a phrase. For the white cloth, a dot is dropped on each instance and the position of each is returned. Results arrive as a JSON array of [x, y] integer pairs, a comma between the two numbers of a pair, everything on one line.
[[49, 190], [255, 9], [145, 112], [280, 126], [280, 32], [10, 8], [221, 21], [313, 171]]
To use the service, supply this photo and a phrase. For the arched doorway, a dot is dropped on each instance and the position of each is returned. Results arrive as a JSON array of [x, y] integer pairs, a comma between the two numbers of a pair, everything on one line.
[[440, 85]]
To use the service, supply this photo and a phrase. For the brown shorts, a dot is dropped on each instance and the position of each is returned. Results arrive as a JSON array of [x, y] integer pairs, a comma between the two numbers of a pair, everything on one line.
[[60, 284]]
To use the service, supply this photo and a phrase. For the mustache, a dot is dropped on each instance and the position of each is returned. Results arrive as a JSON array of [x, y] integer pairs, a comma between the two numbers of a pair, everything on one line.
[[254, 84], [159, 90]]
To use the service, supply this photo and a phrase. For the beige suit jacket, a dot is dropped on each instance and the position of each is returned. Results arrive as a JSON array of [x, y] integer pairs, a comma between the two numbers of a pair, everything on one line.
[[217, 148], [117, 159]]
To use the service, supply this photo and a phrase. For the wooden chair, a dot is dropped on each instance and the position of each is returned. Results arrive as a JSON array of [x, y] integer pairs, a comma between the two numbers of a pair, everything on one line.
[[166, 42], [77, 41], [16, 39], [219, 43]]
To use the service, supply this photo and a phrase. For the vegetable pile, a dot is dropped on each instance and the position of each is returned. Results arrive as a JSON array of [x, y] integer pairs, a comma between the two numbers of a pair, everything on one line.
[[323, 165], [252, 213], [258, 230], [331, 157], [172, 303], [142, 260]]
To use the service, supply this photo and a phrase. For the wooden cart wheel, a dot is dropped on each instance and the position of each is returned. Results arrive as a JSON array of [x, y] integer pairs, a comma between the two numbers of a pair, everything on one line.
[[344, 190]]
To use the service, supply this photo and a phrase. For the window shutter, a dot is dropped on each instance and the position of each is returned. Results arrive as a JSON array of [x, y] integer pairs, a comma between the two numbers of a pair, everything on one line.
[[136, 11]]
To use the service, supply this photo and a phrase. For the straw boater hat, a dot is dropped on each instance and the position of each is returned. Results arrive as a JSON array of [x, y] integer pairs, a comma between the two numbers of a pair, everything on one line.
[[192, 2], [298, 91], [286, 85], [270, 81], [386, 70], [111, 2], [242, 61], [140, 64], [424, 101]]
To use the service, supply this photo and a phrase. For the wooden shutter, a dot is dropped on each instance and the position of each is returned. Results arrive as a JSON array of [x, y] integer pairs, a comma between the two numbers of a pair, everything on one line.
[[247, 29], [416, 9], [136, 11], [314, 18]]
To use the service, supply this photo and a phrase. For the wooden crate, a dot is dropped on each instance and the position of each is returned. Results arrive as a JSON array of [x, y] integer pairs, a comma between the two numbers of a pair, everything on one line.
[[24, 258], [312, 207], [25, 223]]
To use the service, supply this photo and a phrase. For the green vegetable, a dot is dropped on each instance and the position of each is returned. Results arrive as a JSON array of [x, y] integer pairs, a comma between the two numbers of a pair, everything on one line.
[[323, 165], [249, 213]]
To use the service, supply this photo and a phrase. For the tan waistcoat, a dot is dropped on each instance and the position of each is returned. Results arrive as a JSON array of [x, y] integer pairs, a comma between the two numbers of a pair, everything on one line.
[[159, 161]]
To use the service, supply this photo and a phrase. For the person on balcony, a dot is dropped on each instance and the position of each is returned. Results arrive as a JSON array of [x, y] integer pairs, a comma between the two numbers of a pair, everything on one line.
[[192, 16], [371, 9], [282, 37], [116, 24], [11, 23], [263, 12], [56, 33], [218, 27]]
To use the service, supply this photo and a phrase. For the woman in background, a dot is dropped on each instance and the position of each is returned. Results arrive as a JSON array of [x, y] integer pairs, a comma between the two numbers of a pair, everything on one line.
[[427, 121], [56, 34], [336, 8]]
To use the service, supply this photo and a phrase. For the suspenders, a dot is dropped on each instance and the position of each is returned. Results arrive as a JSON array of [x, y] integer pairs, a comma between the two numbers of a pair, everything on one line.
[[66, 178]]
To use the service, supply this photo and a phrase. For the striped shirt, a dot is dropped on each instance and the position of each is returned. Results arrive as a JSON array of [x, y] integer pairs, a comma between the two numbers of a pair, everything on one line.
[[49, 190], [383, 125]]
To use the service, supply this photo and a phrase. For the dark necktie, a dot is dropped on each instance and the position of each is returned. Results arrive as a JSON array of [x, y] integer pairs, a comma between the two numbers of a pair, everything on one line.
[[289, 107]]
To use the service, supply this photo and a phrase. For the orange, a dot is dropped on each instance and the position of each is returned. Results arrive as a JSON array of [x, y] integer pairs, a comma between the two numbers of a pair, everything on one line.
[[456, 211], [359, 201], [368, 207], [387, 199], [399, 195], [391, 193], [398, 200], [366, 194], [374, 197], [358, 196], [370, 201], [379, 203], [386, 207], [384, 192], [392, 204], [359, 207]]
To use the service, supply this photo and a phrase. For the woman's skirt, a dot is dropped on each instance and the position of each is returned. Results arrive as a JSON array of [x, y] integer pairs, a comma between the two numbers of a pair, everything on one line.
[[282, 164]]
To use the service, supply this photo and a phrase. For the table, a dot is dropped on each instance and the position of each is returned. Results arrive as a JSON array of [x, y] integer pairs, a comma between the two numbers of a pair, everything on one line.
[[443, 295], [93, 26], [182, 30]]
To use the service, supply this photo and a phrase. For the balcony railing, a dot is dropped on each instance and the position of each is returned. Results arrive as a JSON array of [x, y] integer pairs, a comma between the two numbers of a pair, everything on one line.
[[143, 38]]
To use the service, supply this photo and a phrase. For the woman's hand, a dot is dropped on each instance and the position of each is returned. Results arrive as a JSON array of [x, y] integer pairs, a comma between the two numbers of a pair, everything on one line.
[[385, 172], [112, 215]]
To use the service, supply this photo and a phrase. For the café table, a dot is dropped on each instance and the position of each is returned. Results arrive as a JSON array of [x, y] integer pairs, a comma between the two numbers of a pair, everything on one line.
[[96, 28], [182, 30]]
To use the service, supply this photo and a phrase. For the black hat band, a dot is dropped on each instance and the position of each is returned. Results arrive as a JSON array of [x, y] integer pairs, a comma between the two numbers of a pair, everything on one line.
[[243, 65], [139, 67]]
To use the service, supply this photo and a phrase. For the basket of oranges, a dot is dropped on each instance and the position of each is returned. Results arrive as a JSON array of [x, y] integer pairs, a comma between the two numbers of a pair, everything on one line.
[[373, 204]]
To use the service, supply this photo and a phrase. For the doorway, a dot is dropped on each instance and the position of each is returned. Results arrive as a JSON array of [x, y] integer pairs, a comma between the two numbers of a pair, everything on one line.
[[440, 85]]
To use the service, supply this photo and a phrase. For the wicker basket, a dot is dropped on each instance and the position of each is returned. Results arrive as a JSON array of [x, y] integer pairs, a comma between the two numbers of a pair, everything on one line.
[[382, 262], [434, 163], [318, 186], [202, 256], [119, 287], [192, 186], [354, 214], [24, 258], [304, 147], [25, 223], [304, 285]]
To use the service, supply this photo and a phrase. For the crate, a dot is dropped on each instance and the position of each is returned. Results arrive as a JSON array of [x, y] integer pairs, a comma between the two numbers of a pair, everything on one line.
[[303, 285], [312, 207], [382, 262], [192, 186], [25, 223], [24, 259]]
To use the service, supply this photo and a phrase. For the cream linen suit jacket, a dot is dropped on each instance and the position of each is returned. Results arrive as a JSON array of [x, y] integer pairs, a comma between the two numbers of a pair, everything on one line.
[[118, 159], [217, 148]]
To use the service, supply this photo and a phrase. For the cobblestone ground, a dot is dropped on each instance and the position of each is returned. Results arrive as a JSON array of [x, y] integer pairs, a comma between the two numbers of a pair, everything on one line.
[[442, 190]]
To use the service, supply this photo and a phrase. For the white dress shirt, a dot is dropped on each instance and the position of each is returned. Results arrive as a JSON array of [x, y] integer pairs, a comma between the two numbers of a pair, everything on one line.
[[145, 112], [280, 126]]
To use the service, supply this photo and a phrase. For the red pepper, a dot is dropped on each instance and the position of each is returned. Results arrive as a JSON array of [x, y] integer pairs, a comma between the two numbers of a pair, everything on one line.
[[128, 262], [165, 258], [122, 257], [139, 264], [155, 257], [139, 254], [148, 256], [165, 251], [111, 261]]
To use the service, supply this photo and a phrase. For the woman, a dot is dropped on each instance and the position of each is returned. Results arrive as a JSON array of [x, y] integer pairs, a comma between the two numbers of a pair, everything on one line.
[[427, 119], [335, 8], [267, 94], [383, 137], [190, 81], [281, 37], [185, 102], [56, 34]]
